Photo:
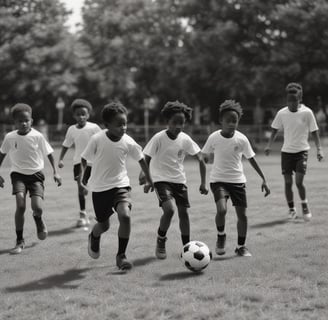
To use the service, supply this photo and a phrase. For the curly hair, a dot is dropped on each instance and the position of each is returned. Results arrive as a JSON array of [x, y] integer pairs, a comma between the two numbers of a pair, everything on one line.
[[19, 108], [111, 109], [81, 103], [230, 105], [294, 89], [173, 107]]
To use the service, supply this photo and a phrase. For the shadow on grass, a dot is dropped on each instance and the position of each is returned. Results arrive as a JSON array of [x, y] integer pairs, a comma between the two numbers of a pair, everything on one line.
[[7, 251], [223, 258], [270, 223], [61, 232], [143, 261], [55, 281], [179, 275]]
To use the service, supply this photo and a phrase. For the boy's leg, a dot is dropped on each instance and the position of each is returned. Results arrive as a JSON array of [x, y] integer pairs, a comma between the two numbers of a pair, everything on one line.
[[288, 179], [299, 180], [221, 211], [164, 224], [83, 220], [19, 222], [184, 224], [123, 212], [242, 224], [36, 204]]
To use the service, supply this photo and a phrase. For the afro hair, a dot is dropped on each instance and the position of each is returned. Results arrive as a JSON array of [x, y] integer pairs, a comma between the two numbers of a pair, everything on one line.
[[81, 103], [19, 108], [230, 105], [294, 90], [111, 109], [173, 107]]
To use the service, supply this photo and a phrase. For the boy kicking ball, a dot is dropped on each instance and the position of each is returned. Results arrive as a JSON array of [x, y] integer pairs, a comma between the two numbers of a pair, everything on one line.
[[296, 120]]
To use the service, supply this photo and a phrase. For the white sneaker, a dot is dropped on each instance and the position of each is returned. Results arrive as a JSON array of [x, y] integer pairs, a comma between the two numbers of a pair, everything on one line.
[[83, 221], [307, 215], [292, 214], [20, 245]]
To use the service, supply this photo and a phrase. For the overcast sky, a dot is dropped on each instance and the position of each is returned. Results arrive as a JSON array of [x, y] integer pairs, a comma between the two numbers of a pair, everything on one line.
[[74, 5]]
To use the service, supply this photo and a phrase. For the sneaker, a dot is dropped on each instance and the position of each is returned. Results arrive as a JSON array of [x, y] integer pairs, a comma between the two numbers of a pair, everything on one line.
[[307, 215], [83, 220], [242, 252], [160, 248], [122, 262], [20, 245], [93, 247], [41, 228], [220, 244], [292, 214]]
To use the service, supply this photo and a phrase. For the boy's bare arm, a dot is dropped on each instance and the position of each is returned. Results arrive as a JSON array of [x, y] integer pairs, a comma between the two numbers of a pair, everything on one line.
[[149, 185], [264, 186], [86, 172], [202, 170], [142, 177], [61, 157], [316, 138], [274, 133], [57, 177], [2, 180]]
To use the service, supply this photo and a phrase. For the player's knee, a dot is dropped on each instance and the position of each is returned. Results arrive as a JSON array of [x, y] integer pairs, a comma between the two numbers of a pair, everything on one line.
[[104, 226], [37, 211], [299, 184], [221, 211], [169, 212]]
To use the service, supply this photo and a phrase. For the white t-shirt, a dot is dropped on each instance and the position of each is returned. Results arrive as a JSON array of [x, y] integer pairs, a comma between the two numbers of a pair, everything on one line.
[[228, 152], [296, 127], [26, 152], [79, 137], [108, 160], [168, 156]]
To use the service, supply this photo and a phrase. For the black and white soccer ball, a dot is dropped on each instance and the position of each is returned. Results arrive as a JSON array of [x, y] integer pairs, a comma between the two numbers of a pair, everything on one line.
[[196, 256]]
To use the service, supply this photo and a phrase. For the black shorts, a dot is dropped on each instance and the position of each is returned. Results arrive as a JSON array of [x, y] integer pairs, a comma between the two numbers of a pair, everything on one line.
[[105, 202], [296, 162], [168, 190], [32, 183], [77, 171], [236, 191]]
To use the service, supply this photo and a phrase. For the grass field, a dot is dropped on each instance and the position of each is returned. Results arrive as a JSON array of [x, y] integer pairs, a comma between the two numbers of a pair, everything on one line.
[[286, 278]]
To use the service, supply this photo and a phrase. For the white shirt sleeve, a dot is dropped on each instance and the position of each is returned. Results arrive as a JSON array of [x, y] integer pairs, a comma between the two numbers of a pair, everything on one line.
[[5, 147], [208, 147], [45, 146], [191, 146], [135, 151], [277, 123], [152, 147], [312, 122], [247, 149], [90, 150], [69, 139]]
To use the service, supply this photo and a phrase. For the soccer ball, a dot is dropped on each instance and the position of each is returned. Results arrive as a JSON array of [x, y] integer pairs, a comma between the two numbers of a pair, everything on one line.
[[196, 255]]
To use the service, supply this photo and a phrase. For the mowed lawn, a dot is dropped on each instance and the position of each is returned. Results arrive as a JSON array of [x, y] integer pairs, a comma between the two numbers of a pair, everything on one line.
[[286, 278]]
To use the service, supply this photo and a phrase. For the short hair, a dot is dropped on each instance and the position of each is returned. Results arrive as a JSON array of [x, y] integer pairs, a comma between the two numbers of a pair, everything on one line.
[[19, 108], [294, 89], [81, 103], [111, 109], [173, 107], [230, 105]]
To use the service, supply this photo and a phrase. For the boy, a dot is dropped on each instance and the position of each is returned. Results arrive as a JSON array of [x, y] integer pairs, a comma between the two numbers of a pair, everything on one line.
[[296, 120], [79, 136], [26, 148], [227, 178], [167, 150], [109, 182]]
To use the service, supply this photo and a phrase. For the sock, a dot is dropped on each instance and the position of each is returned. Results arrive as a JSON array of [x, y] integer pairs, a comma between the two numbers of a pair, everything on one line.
[[82, 202], [19, 234], [220, 230], [122, 244], [185, 239], [241, 241], [291, 205], [304, 203], [161, 233]]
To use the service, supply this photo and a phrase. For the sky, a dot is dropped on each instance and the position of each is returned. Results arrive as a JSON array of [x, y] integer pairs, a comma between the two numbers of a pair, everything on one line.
[[75, 17]]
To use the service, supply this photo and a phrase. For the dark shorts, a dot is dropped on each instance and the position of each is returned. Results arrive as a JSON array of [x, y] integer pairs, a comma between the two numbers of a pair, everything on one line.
[[167, 191], [236, 191], [105, 202], [296, 162], [32, 183], [77, 171]]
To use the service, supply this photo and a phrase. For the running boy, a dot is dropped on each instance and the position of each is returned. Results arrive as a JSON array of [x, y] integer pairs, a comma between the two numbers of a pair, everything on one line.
[[296, 120], [109, 182], [26, 148], [227, 178], [167, 150], [79, 136]]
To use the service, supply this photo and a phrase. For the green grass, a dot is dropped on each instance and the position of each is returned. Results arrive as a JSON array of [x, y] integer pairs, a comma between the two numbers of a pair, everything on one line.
[[55, 279]]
